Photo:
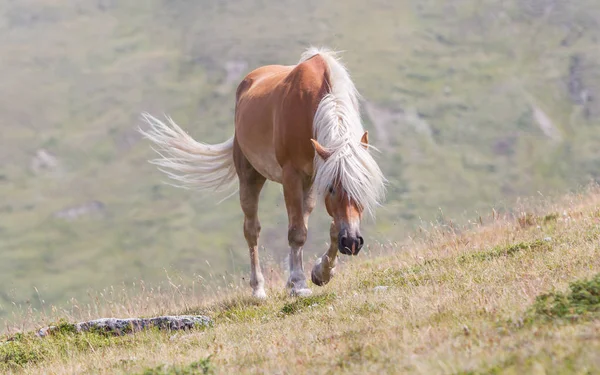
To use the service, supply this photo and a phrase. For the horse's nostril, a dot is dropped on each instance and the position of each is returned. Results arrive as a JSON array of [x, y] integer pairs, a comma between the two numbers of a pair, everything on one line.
[[350, 245], [345, 245]]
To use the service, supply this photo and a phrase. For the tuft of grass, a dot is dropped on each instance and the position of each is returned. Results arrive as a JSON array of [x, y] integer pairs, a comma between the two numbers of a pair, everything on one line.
[[28, 349], [515, 364], [234, 309], [503, 251], [549, 218], [243, 314], [528, 219], [203, 366], [65, 327], [419, 274], [370, 308], [16, 353], [302, 303], [396, 277], [356, 354], [582, 300]]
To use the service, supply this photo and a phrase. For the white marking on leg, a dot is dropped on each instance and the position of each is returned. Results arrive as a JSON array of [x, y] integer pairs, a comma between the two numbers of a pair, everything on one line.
[[257, 281], [297, 279]]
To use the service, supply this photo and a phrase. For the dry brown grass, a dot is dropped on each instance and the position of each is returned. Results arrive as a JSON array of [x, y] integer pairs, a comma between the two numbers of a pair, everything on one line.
[[456, 302]]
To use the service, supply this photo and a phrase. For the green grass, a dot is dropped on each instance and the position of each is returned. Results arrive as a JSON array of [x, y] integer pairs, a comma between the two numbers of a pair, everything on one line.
[[27, 349], [241, 310], [502, 251], [491, 299], [581, 301], [196, 368], [302, 303]]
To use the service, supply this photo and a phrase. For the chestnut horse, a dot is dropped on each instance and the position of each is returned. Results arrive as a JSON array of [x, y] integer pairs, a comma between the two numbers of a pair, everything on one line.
[[299, 126]]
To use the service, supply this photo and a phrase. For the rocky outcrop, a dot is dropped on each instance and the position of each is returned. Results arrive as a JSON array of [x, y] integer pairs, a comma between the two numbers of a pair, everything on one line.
[[43, 160], [124, 326], [581, 83], [545, 124], [75, 212]]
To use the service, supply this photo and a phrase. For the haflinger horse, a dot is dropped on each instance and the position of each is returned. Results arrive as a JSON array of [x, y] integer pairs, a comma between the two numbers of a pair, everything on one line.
[[297, 125]]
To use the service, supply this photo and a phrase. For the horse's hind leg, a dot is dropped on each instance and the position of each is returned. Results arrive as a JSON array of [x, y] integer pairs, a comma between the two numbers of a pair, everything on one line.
[[251, 183]]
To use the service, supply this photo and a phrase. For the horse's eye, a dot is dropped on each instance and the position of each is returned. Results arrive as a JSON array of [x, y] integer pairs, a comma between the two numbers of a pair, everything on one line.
[[331, 191]]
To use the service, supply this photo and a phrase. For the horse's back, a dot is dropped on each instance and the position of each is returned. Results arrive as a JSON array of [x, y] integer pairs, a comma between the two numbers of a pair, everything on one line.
[[275, 107]]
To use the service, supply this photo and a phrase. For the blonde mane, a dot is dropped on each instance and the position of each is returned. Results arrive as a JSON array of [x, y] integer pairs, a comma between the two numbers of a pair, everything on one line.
[[337, 126]]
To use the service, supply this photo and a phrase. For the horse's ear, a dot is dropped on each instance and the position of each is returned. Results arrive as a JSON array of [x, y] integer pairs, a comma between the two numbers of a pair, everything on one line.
[[365, 140], [323, 154]]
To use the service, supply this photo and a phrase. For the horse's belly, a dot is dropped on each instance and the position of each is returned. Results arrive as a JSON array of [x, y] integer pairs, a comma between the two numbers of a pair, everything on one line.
[[265, 162]]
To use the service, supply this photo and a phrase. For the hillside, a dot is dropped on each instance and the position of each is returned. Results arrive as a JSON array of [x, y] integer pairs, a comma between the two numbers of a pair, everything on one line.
[[472, 103], [507, 295]]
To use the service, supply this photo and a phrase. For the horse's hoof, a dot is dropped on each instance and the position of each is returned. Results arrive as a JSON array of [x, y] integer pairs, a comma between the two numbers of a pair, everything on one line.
[[259, 294], [316, 280], [304, 292], [319, 277]]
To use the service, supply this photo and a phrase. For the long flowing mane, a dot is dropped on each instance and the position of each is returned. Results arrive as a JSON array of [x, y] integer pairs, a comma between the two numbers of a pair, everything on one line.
[[337, 126]]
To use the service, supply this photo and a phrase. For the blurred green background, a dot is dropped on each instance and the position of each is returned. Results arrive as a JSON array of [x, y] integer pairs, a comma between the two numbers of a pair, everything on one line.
[[473, 103]]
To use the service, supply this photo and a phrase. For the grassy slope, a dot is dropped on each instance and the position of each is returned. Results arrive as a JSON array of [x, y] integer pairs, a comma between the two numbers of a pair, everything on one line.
[[456, 303], [76, 77]]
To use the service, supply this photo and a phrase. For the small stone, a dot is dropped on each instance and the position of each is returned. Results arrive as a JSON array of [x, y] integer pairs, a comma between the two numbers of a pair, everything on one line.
[[42, 332], [547, 239], [380, 288]]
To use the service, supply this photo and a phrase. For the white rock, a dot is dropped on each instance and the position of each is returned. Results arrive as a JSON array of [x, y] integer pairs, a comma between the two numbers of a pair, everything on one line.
[[380, 288]]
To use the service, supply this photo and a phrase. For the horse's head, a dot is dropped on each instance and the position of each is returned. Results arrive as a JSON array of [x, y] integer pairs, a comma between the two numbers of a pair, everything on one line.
[[344, 210], [346, 215]]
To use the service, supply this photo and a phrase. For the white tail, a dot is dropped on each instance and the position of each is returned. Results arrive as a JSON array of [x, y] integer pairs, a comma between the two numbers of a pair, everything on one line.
[[193, 164]]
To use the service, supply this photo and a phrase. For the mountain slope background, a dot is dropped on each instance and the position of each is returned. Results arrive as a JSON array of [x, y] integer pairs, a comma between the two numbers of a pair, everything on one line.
[[472, 103]]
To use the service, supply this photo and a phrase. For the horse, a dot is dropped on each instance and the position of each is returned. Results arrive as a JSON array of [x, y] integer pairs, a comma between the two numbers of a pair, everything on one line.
[[299, 126]]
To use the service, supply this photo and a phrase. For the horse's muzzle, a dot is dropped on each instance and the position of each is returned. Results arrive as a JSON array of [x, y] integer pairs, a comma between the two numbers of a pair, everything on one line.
[[350, 245]]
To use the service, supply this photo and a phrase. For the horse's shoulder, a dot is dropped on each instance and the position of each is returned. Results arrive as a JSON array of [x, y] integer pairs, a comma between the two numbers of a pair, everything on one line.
[[310, 75]]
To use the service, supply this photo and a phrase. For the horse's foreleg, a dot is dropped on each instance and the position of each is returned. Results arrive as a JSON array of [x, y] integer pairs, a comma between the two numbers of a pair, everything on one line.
[[324, 267], [298, 208]]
